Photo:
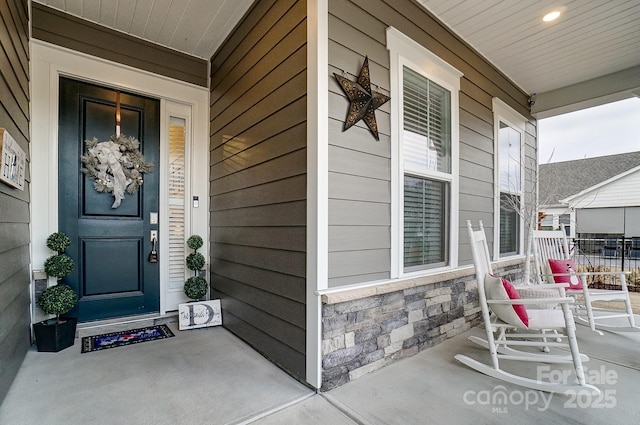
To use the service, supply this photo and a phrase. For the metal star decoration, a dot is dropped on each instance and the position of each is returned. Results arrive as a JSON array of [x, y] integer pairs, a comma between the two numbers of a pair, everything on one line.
[[363, 100]]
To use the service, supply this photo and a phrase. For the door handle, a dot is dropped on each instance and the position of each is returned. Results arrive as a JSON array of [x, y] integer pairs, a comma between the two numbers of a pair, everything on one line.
[[153, 257]]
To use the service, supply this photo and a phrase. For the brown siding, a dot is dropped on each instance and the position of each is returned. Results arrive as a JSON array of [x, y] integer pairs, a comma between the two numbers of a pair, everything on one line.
[[258, 180], [358, 28], [68, 31], [14, 203]]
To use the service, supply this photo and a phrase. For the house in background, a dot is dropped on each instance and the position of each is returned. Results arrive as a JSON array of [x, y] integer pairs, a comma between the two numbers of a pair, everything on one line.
[[334, 253], [593, 197]]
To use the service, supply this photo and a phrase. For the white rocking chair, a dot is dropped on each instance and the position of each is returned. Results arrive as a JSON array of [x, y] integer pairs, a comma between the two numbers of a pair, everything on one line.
[[505, 345], [552, 244]]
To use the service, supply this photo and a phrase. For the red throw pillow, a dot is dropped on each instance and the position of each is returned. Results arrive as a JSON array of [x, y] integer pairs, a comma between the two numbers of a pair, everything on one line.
[[497, 288], [565, 266]]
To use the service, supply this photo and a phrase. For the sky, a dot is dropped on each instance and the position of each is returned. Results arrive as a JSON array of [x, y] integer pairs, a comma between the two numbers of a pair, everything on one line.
[[602, 130]]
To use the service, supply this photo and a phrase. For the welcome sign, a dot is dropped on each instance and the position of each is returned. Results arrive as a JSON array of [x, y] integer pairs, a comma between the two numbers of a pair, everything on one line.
[[199, 314], [13, 161]]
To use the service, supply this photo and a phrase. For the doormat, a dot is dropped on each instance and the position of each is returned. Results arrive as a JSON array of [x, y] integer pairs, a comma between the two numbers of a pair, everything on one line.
[[118, 339]]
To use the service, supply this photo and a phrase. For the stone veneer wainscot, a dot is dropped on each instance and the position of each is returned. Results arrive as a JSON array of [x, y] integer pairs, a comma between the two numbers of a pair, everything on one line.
[[367, 328]]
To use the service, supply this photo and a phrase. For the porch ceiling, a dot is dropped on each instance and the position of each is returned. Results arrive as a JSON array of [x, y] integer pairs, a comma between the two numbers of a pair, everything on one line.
[[195, 27], [588, 56]]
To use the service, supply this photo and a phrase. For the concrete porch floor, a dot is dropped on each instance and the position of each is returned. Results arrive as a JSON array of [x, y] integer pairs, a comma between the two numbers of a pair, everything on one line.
[[208, 376]]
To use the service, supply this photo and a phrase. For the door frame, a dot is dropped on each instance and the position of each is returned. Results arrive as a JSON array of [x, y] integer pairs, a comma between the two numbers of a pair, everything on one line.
[[48, 63]]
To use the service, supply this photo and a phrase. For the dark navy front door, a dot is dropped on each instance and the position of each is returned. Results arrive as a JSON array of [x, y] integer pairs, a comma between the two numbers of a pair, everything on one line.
[[113, 276]]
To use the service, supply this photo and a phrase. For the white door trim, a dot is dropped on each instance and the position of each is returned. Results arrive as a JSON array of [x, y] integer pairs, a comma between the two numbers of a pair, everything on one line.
[[48, 63]]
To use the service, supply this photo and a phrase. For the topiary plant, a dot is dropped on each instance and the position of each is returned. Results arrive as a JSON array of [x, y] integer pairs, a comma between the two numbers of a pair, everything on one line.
[[195, 287], [58, 299], [58, 266], [195, 242], [58, 242], [195, 261]]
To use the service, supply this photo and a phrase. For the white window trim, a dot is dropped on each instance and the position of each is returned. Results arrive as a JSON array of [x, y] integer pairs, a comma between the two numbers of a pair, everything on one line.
[[505, 113], [405, 51]]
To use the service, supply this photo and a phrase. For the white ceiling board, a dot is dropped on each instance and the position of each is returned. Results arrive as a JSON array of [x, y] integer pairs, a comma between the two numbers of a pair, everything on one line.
[[108, 11], [90, 10], [591, 39], [72, 6], [140, 18], [155, 19], [195, 27], [124, 16]]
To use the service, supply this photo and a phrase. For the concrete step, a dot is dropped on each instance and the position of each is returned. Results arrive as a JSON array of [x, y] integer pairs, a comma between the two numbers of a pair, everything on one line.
[[123, 324]]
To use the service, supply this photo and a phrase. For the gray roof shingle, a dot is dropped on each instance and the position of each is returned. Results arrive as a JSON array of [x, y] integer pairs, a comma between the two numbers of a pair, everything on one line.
[[560, 180]]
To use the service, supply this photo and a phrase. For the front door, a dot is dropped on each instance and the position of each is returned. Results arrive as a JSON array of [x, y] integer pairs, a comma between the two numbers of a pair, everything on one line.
[[110, 245]]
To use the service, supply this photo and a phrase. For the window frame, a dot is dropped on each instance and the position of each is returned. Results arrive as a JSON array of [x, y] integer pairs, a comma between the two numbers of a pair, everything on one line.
[[507, 115], [404, 51]]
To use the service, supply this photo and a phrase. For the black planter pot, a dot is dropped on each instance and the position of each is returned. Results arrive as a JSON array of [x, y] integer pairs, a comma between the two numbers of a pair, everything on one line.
[[53, 336]]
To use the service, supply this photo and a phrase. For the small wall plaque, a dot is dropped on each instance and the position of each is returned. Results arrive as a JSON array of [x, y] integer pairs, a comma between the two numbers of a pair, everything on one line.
[[199, 314], [14, 161]]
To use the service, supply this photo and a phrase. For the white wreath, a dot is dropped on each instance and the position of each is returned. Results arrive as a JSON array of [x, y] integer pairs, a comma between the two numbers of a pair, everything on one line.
[[115, 166]]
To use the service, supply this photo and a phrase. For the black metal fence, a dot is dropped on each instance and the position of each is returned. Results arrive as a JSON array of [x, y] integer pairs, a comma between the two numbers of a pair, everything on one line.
[[610, 253]]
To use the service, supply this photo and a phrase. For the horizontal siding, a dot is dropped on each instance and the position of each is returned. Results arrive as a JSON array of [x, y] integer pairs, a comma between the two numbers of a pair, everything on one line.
[[286, 58], [359, 140], [359, 166], [358, 28], [352, 263], [258, 179], [14, 203], [350, 187], [281, 215], [352, 238], [291, 311], [624, 192], [278, 97], [240, 318], [254, 151], [278, 168], [69, 31], [352, 162], [289, 189], [284, 285], [357, 213]]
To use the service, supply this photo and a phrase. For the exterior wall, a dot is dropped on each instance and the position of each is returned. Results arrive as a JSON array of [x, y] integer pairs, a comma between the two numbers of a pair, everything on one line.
[[360, 177], [622, 192], [609, 209], [366, 333], [14, 203], [77, 34], [369, 318], [258, 181], [359, 166]]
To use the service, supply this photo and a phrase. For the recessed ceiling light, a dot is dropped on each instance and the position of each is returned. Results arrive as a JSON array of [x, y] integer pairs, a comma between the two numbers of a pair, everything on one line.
[[551, 16]]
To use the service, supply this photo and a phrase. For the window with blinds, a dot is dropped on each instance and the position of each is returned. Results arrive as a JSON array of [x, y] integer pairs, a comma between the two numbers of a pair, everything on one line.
[[510, 180], [427, 124], [509, 223], [176, 173], [426, 141], [425, 216]]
